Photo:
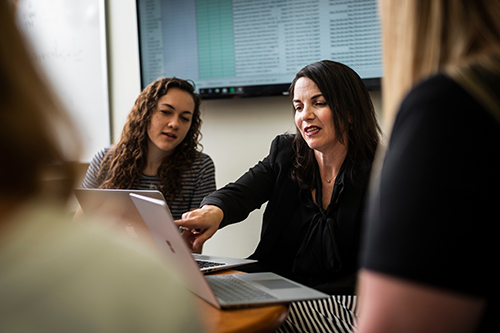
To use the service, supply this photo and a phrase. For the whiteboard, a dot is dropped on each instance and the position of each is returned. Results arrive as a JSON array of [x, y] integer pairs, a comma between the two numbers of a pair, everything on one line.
[[69, 42]]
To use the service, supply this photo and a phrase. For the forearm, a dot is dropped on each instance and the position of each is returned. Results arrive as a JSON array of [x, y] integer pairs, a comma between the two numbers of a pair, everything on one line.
[[236, 204], [389, 304]]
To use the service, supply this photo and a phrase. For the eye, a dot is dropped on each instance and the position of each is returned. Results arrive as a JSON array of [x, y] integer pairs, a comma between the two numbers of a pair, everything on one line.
[[297, 108]]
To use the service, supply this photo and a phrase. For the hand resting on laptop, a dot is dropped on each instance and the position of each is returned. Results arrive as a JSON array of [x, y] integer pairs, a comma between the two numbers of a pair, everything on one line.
[[203, 223]]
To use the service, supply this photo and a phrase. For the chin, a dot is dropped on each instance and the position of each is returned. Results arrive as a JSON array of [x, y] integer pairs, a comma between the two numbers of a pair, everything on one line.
[[312, 143], [167, 149]]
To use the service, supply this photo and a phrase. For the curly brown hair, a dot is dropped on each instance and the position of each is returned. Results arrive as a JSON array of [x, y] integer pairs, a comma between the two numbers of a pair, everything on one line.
[[353, 114], [122, 165]]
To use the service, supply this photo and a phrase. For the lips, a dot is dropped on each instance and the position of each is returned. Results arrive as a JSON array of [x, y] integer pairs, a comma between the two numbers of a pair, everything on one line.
[[170, 135], [311, 130]]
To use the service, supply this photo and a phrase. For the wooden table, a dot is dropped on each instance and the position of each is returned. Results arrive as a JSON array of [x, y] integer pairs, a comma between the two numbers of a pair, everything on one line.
[[254, 320]]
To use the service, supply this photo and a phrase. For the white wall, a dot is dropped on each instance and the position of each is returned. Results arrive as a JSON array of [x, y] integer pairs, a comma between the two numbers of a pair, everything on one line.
[[236, 133], [123, 60]]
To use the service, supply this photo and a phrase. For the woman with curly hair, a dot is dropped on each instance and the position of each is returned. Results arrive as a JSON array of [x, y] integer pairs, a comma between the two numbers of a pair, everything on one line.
[[159, 149]]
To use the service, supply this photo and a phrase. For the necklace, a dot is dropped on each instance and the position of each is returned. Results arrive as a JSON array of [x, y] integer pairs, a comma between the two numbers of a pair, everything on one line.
[[329, 180]]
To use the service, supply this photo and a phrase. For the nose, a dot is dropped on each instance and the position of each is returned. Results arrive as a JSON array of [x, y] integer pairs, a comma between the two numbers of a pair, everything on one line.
[[307, 112], [174, 122]]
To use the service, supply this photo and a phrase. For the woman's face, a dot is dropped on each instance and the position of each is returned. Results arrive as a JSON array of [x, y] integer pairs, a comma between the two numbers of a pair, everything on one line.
[[313, 116], [171, 121]]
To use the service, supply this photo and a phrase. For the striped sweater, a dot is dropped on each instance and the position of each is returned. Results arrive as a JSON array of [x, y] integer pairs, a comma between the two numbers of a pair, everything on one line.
[[196, 183]]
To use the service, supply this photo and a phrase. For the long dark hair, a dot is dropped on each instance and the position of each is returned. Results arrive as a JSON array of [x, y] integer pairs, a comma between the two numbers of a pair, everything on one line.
[[353, 118], [123, 163]]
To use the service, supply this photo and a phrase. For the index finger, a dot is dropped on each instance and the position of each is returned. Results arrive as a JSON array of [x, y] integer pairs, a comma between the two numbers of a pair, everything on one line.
[[190, 220]]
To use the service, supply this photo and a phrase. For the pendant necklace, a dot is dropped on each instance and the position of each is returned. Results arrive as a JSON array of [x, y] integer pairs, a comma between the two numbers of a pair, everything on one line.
[[329, 180]]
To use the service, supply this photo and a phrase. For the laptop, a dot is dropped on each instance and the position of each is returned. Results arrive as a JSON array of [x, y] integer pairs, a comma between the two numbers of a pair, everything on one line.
[[122, 218], [222, 291]]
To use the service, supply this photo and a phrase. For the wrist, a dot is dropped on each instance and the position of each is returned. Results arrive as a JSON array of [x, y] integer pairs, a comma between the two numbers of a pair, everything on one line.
[[216, 212]]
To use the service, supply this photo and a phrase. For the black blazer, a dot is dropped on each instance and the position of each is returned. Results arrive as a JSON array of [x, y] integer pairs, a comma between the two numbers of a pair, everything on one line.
[[269, 181]]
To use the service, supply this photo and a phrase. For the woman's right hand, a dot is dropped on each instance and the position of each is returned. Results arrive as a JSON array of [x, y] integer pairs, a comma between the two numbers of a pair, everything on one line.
[[202, 222]]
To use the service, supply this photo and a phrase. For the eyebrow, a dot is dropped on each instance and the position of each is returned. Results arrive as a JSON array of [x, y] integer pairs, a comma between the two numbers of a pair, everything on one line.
[[168, 105], [172, 107], [314, 97]]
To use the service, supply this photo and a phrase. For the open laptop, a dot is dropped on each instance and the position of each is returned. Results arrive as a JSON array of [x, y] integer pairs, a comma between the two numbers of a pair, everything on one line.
[[122, 218], [222, 291]]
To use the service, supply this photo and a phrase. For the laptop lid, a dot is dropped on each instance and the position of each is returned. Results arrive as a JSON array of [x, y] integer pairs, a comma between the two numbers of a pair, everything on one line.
[[121, 217], [175, 250]]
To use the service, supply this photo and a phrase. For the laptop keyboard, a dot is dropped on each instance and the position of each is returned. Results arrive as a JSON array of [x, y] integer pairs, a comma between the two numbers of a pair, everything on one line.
[[208, 264], [230, 289]]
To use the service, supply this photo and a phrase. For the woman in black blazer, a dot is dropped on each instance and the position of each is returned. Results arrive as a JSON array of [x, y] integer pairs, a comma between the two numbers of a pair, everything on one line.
[[314, 183]]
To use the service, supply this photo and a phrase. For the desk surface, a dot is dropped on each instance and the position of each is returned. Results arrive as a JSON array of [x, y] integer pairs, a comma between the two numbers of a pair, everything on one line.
[[258, 319]]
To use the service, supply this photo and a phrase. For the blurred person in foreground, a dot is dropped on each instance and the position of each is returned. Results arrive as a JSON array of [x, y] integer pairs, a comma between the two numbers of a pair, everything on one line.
[[430, 243], [58, 276]]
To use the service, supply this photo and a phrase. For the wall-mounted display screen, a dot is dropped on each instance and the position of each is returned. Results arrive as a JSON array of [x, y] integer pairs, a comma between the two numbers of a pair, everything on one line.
[[237, 48]]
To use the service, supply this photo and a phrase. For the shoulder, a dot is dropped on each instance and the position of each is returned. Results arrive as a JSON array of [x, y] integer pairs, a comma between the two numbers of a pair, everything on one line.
[[281, 150], [91, 177], [99, 155], [283, 140], [282, 144], [440, 106], [430, 94], [203, 161], [203, 168], [433, 86]]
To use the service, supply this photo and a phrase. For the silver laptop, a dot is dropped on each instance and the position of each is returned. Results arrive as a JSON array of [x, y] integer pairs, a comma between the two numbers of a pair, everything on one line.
[[122, 218], [222, 291]]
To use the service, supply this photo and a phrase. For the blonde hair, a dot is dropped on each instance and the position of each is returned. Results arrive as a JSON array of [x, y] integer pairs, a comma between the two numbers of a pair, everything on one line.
[[422, 37], [32, 122]]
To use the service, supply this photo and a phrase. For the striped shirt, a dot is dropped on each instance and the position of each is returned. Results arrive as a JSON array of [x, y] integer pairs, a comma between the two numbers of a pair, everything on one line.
[[196, 183]]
